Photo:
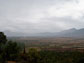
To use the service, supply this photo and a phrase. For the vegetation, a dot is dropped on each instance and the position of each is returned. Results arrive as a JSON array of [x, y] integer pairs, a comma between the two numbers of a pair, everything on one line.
[[34, 56], [11, 51], [60, 57], [3, 41], [8, 50]]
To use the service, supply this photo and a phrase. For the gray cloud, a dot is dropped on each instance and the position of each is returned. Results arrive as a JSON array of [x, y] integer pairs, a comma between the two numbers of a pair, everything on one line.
[[35, 16]]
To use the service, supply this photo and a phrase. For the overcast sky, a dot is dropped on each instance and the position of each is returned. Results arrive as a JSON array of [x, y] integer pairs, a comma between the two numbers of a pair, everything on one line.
[[35, 16]]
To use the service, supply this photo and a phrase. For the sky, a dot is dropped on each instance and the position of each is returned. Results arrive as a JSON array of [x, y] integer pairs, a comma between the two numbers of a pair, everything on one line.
[[39, 16]]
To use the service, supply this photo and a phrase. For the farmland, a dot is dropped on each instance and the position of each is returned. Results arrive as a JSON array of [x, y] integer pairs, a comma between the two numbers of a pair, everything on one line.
[[52, 43]]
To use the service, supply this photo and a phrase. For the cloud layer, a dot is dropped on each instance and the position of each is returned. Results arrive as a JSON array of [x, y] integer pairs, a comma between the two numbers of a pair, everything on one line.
[[35, 16]]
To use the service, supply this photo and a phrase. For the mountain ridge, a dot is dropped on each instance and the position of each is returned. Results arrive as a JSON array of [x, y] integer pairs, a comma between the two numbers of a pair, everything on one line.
[[73, 32]]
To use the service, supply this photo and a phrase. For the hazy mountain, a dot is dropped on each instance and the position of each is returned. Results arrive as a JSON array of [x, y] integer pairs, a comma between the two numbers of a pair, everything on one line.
[[11, 33], [66, 33], [78, 33], [58, 34], [72, 33]]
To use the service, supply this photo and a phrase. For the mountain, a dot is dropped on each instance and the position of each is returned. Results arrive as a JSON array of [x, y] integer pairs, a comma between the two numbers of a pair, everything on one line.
[[78, 33], [72, 33], [13, 34], [58, 34], [67, 31]]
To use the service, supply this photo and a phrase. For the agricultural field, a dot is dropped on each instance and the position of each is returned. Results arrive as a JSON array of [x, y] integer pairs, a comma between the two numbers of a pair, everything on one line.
[[52, 43]]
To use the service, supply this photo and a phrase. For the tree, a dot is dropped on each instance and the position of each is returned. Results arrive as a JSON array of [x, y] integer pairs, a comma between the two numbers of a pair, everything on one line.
[[3, 41], [12, 50], [24, 51], [33, 55], [3, 38]]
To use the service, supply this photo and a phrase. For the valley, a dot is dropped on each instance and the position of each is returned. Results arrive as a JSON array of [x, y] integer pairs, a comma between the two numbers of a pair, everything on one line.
[[52, 43]]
